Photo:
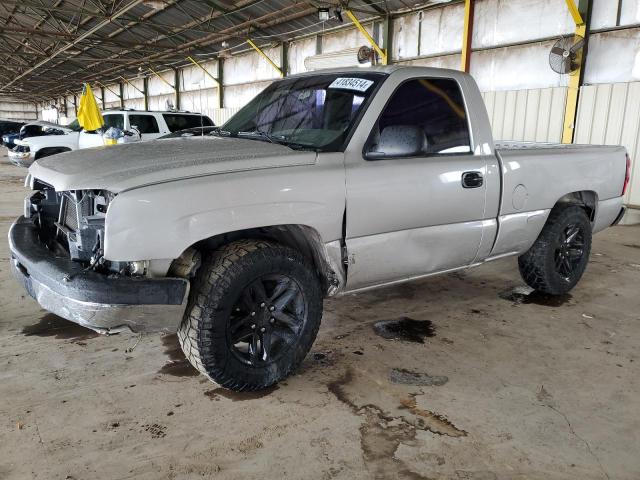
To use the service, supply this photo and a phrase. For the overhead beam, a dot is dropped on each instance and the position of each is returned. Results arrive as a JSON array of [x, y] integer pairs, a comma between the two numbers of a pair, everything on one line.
[[69, 45]]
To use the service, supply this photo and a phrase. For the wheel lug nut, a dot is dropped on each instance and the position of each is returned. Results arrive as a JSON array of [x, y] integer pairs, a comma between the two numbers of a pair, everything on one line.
[[272, 308], [273, 320], [253, 327], [262, 304], [263, 329], [253, 314]]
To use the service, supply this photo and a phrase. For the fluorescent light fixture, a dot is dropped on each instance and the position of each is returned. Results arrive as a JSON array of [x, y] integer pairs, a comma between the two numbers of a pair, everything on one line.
[[341, 58], [323, 14]]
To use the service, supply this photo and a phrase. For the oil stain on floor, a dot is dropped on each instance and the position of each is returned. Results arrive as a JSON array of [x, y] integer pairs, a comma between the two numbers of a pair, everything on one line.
[[405, 329], [51, 325], [421, 379], [526, 296], [178, 365]]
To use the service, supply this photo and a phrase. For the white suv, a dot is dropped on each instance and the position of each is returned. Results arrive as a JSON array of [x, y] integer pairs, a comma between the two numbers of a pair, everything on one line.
[[150, 125], [137, 125]]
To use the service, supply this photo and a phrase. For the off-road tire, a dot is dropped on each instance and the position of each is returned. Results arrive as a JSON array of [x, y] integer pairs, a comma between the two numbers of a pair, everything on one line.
[[224, 273], [538, 265]]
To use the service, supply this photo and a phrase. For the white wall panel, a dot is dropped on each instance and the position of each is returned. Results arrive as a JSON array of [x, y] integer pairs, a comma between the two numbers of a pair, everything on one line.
[[110, 97], [515, 68], [134, 103], [499, 22], [527, 115], [193, 78], [14, 109], [239, 95], [159, 87], [159, 102], [333, 42], [446, 61], [405, 37], [133, 89], [221, 115], [610, 115], [201, 101], [250, 67], [298, 51], [442, 30], [613, 57]]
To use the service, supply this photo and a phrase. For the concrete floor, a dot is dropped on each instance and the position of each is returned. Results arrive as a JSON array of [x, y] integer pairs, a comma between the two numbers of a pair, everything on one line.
[[512, 388]]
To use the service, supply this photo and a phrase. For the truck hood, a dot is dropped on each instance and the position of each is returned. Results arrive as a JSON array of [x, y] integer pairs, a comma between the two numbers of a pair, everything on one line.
[[123, 167]]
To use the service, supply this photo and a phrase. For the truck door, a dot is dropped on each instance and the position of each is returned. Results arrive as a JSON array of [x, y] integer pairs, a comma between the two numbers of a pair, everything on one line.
[[416, 192]]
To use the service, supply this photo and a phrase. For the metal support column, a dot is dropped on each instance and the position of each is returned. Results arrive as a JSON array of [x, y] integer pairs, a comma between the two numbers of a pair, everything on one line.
[[467, 35], [176, 86], [220, 82], [284, 58], [121, 86], [101, 98], [145, 87], [580, 14], [387, 36]]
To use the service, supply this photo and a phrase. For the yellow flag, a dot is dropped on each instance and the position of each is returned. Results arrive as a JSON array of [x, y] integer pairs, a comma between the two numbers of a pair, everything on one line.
[[89, 116]]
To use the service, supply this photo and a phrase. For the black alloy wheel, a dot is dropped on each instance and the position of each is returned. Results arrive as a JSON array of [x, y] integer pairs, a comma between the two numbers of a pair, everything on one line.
[[266, 319]]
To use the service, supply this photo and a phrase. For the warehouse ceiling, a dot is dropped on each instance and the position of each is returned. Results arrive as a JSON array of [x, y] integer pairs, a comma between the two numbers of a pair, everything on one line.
[[49, 47]]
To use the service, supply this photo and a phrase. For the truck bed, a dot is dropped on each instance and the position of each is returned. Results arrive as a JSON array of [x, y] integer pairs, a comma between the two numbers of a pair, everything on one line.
[[549, 171]]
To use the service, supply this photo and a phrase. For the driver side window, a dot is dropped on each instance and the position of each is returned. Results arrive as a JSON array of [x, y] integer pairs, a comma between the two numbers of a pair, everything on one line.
[[424, 117]]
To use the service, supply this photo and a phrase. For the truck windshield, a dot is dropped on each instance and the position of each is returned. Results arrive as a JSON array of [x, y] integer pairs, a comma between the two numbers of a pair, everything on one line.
[[312, 112]]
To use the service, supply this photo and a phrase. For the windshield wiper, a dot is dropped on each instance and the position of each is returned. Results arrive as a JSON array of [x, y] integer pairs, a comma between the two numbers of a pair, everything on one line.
[[279, 139], [261, 134]]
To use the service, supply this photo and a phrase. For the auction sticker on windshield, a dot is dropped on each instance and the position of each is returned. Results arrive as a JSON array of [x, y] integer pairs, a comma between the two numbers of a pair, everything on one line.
[[357, 84]]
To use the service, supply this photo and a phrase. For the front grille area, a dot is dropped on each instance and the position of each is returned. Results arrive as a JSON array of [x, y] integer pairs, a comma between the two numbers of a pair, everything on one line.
[[70, 222], [74, 212]]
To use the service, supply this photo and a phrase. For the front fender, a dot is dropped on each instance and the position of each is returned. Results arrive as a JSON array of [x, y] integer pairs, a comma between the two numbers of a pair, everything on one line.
[[161, 221]]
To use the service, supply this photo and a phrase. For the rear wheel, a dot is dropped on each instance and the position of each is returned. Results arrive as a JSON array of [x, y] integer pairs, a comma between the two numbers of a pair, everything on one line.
[[556, 261], [254, 312]]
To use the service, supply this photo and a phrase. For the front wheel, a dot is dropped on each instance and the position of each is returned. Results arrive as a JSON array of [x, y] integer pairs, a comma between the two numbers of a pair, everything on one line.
[[558, 258], [253, 314]]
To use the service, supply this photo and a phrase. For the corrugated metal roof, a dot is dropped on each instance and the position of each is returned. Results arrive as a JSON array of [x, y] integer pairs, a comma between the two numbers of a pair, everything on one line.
[[103, 40]]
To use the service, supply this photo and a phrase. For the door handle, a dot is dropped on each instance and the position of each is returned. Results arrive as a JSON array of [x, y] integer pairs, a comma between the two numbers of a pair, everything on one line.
[[472, 180]]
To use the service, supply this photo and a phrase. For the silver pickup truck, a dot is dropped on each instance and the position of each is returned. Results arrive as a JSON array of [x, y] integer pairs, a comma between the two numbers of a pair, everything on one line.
[[326, 183]]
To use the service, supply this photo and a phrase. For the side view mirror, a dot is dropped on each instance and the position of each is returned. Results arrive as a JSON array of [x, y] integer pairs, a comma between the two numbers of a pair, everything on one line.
[[398, 141]]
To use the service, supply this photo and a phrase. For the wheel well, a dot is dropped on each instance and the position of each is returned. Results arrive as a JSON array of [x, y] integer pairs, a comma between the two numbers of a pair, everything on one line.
[[302, 238], [586, 199], [45, 152]]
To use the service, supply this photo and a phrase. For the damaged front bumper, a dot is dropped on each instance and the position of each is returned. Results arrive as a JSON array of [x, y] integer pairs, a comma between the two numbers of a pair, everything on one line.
[[104, 303]]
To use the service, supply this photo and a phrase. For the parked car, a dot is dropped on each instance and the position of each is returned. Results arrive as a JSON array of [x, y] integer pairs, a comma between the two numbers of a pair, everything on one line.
[[327, 183], [136, 125], [8, 128], [39, 134], [191, 132], [8, 139]]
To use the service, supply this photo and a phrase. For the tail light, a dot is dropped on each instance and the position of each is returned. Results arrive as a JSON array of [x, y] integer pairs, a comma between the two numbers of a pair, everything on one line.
[[627, 176]]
